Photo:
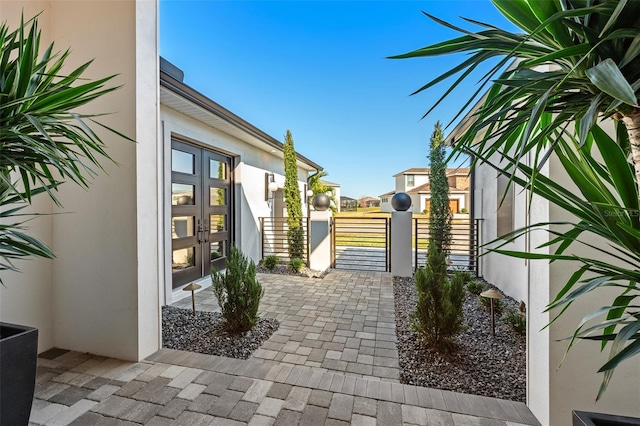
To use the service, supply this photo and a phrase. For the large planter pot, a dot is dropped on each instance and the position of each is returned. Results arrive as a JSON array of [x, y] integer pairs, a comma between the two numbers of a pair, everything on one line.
[[585, 418], [18, 362]]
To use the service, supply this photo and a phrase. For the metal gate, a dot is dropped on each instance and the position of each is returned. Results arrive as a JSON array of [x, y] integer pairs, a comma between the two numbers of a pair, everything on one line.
[[361, 243], [463, 251]]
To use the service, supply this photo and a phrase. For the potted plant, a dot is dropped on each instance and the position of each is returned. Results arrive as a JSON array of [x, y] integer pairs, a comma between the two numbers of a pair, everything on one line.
[[44, 142]]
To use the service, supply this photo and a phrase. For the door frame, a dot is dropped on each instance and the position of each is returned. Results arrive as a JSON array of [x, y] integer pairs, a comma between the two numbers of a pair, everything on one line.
[[172, 295]]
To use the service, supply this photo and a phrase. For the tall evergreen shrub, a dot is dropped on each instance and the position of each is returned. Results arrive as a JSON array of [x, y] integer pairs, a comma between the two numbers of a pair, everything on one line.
[[439, 212], [238, 292], [438, 316], [295, 232]]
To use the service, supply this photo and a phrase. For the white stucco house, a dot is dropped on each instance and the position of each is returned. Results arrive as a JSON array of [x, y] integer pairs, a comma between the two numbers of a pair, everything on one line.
[[415, 182], [552, 392], [194, 183]]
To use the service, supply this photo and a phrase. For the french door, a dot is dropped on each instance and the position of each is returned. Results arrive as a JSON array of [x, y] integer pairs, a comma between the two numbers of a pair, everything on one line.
[[200, 212]]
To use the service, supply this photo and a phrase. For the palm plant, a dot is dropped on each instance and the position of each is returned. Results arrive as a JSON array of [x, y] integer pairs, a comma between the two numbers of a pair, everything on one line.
[[317, 186], [575, 62], [44, 141]]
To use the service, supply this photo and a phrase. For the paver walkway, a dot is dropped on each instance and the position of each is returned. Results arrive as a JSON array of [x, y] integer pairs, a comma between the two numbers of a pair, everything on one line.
[[270, 388], [184, 388], [344, 322]]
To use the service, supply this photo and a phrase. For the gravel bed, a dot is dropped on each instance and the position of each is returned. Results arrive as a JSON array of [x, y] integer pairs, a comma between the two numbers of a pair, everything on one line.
[[205, 333], [480, 365], [282, 269]]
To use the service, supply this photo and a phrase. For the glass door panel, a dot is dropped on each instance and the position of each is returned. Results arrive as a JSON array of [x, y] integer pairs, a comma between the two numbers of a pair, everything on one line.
[[182, 194], [200, 212], [217, 212]]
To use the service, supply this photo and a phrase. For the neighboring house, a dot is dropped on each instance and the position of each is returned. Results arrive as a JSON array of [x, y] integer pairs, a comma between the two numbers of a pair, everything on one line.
[[135, 237], [348, 204], [367, 202], [552, 392], [415, 182]]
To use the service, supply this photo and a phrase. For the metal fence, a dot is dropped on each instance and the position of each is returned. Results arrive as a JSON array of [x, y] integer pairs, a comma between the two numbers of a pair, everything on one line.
[[275, 241], [361, 243], [463, 251]]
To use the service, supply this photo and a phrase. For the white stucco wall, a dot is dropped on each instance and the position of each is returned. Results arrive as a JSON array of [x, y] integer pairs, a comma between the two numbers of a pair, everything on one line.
[[25, 297], [249, 175], [552, 392], [574, 386], [508, 274], [102, 289], [386, 207]]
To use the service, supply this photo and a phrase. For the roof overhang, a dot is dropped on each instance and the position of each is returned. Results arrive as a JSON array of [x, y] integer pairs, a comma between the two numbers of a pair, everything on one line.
[[180, 97]]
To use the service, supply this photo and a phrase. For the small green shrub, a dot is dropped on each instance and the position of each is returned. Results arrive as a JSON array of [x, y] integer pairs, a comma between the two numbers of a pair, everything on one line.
[[476, 287], [270, 262], [498, 305], [438, 316], [516, 320], [296, 264], [466, 276], [238, 292]]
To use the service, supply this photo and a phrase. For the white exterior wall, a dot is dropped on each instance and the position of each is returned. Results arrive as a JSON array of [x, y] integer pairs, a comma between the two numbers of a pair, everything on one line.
[[401, 183], [249, 172], [574, 386], [508, 274], [386, 207], [403, 186], [336, 196], [552, 392], [101, 293]]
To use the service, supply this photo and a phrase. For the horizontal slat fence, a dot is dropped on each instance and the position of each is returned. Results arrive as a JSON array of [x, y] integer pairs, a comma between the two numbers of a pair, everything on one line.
[[274, 231], [463, 251]]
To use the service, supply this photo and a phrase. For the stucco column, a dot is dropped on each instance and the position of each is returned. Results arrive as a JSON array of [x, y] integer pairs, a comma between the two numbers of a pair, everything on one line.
[[401, 253], [320, 247]]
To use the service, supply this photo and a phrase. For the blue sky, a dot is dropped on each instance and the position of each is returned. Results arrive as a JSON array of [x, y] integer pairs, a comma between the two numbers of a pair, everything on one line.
[[318, 68]]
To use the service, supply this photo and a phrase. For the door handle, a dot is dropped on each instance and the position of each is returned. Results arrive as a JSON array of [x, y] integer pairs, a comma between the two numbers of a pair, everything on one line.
[[199, 232], [206, 231]]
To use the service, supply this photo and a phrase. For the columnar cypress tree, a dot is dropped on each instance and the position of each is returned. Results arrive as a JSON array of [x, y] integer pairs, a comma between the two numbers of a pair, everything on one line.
[[295, 233], [439, 213], [438, 317]]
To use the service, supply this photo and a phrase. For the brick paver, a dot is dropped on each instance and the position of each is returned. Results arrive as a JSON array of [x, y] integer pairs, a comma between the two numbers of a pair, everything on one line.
[[181, 388], [327, 323]]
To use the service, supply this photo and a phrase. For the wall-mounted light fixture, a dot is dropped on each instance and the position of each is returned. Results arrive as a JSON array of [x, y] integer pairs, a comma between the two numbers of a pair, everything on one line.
[[270, 186]]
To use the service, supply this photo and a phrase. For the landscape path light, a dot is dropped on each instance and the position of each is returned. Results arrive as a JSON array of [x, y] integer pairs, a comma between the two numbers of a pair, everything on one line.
[[492, 294], [192, 288]]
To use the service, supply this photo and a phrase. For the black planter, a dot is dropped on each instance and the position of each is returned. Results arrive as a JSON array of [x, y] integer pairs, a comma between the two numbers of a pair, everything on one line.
[[18, 362], [584, 418]]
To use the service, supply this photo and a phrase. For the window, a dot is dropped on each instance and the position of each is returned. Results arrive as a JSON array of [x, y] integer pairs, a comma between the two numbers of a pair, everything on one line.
[[506, 205], [411, 181]]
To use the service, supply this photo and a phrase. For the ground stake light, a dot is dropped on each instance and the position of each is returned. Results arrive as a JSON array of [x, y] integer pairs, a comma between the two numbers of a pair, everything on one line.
[[192, 288], [492, 294]]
